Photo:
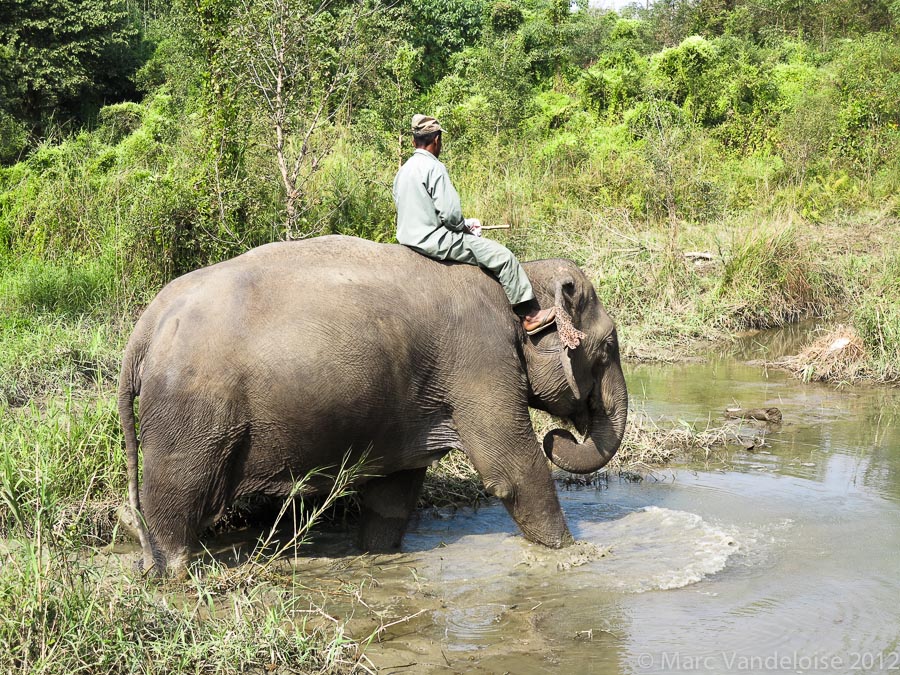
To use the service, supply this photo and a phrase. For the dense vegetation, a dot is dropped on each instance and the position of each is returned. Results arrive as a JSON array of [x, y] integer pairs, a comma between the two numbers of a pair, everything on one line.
[[715, 166]]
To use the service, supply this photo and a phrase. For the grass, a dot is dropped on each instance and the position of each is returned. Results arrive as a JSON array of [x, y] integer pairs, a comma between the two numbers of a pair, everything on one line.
[[876, 317], [65, 615], [61, 465], [771, 278], [44, 354]]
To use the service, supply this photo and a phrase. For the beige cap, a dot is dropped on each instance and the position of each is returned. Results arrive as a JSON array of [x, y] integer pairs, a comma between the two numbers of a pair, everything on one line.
[[423, 124]]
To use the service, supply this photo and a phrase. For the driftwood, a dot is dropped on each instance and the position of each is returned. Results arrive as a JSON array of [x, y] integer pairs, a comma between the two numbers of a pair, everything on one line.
[[699, 255], [772, 415]]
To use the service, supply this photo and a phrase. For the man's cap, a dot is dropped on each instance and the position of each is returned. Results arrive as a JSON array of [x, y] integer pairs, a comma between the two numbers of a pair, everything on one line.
[[423, 124]]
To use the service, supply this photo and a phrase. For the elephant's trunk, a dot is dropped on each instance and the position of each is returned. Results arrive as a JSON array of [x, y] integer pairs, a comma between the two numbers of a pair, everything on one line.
[[609, 411]]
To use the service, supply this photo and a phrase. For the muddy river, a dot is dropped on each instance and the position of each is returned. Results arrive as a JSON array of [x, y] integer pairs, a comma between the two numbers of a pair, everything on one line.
[[781, 560]]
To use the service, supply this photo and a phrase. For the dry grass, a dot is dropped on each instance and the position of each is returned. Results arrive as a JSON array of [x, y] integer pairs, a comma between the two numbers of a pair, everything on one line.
[[452, 482], [837, 356], [647, 445]]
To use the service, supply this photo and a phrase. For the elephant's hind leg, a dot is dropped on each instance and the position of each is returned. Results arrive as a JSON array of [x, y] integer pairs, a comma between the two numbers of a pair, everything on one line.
[[387, 504], [184, 490], [173, 513]]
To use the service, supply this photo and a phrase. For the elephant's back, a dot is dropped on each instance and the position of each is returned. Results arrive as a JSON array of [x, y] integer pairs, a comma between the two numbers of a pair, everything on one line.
[[343, 264], [338, 277], [334, 307], [319, 272]]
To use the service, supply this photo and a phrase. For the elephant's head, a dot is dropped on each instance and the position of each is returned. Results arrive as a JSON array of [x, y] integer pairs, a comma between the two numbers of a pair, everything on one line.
[[584, 385]]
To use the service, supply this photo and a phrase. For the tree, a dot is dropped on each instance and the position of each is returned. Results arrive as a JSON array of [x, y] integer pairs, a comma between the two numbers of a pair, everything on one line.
[[300, 60], [65, 58], [441, 28]]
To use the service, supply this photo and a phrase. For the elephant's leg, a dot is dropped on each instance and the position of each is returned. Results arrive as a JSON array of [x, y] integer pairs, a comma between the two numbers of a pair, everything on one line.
[[182, 492], [171, 510], [507, 455], [387, 503], [190, 475]]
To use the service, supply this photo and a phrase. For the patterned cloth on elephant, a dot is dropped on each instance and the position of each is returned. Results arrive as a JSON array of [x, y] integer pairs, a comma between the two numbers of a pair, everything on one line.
[[430, 221]]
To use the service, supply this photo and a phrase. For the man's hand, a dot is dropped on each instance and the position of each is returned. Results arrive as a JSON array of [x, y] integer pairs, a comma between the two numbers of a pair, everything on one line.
[[473, 226]]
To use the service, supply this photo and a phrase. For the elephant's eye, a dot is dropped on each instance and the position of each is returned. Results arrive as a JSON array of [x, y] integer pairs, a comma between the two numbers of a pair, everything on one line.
[[610, 348], [604, 353]]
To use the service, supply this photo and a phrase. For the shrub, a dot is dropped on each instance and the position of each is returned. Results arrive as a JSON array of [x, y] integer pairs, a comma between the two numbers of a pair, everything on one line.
[[609, 89], [119, 120], [653, 117], [13, 138]]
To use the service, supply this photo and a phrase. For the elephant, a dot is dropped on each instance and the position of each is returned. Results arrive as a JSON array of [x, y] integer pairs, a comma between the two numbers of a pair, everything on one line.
[[252, 372]]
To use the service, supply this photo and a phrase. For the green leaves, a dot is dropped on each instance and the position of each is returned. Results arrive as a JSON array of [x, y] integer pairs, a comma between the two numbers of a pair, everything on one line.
[[61, 58]]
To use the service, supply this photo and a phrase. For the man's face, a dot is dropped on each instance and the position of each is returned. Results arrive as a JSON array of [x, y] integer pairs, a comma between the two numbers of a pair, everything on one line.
[[437, 145]]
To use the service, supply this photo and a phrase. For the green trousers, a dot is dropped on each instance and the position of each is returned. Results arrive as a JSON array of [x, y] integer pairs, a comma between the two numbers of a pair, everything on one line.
[[495, 258]]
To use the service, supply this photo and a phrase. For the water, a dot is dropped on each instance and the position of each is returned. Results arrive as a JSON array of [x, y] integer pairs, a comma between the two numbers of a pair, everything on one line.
[[784, 560]]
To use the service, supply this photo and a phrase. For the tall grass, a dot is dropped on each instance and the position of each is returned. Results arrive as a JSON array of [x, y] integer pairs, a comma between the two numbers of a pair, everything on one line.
[[875, 314], [47, 354], [61, 467], [771, 278], [64, 612], [70, 286]]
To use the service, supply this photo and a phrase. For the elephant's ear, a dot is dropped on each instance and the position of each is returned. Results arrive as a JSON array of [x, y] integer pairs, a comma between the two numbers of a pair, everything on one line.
[[575, 364]]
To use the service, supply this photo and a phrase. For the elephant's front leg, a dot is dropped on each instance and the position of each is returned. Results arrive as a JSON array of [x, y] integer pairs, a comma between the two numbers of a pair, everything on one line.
[[507, 455], [387, 503]]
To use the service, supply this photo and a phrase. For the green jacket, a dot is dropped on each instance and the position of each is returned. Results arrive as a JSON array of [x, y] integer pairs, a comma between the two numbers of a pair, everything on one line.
[[429, 213]]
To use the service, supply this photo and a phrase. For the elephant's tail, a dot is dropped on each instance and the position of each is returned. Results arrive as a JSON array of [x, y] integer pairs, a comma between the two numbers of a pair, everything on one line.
[[129, 388]]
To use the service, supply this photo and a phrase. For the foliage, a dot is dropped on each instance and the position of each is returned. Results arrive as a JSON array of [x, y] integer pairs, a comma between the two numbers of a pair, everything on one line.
[[59, 61], [441, 28]]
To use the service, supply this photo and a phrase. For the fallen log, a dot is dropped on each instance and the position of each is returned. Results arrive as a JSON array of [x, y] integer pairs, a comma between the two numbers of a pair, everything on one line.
[[699, 255], [772, 415]]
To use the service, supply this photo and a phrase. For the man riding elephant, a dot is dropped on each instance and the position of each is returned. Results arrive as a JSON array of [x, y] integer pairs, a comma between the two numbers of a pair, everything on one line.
[[430, 221]]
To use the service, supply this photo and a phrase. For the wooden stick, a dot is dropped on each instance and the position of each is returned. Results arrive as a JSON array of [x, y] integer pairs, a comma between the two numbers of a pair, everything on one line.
[[495, 227]]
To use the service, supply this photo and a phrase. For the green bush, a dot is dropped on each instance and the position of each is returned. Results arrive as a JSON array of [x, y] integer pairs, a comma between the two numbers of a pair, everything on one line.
[[353, 199], [120, 120], [13, 138], [610, 88], [652, 118]]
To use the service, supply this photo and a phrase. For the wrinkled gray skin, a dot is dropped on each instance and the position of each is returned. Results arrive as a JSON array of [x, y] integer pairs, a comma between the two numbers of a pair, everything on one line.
[[257, 370]]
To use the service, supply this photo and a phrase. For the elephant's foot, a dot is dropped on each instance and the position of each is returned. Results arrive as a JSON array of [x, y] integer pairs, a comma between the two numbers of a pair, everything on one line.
[[381, 535], [387, 503]]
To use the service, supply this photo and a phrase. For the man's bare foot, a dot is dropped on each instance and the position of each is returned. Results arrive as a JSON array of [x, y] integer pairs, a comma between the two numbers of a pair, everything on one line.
[[537, 320]]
